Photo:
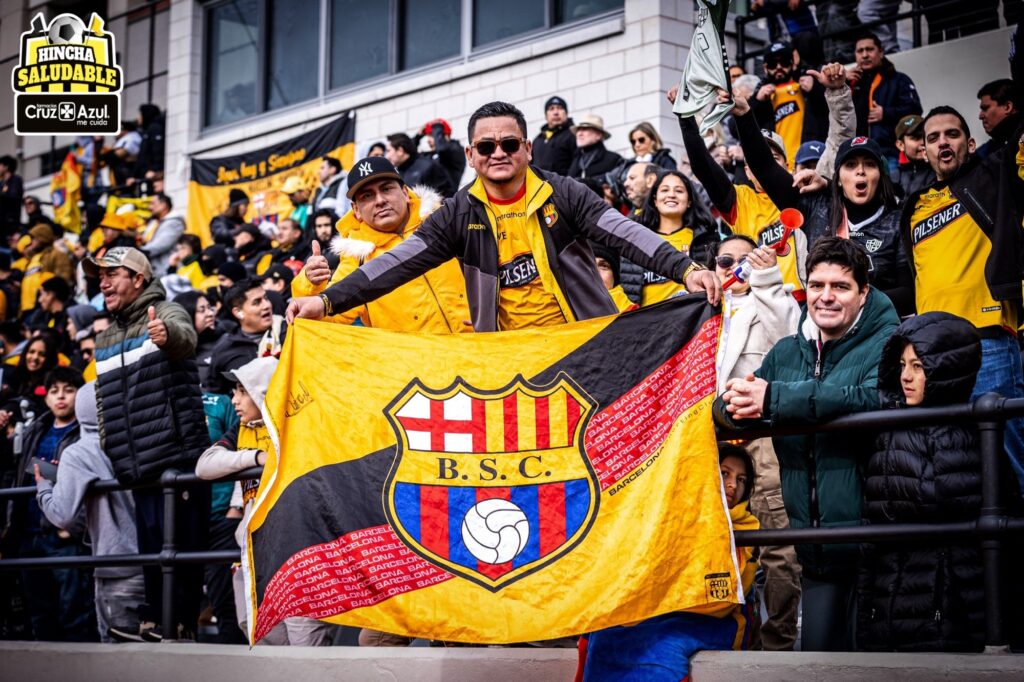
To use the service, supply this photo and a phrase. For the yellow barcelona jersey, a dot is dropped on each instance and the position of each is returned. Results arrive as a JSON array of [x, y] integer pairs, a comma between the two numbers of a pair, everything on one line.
[[789, 104], [658, 288], [950, 252], [755, 216]]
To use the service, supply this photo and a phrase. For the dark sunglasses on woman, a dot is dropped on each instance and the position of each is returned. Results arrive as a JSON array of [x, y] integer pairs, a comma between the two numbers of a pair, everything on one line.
[[726, 262]]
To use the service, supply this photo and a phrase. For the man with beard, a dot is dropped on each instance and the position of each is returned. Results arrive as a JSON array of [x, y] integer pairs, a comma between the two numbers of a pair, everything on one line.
[[963, 238], [789, 101]]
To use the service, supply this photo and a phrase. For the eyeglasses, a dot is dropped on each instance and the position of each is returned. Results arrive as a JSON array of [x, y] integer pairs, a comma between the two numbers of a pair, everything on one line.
[[639, 140], [726, 262], [509, 145]]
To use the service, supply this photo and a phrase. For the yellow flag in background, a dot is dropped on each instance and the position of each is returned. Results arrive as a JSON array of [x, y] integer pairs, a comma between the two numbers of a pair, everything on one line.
[[494, 488], [65, 193]]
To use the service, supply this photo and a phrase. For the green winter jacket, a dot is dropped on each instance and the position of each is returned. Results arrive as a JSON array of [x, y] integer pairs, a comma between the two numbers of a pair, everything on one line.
[[822, 474]]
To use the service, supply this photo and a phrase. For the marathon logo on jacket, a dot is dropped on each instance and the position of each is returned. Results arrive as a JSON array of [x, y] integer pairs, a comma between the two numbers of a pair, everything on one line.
[[67, 80], [518, 272], [935, 222]]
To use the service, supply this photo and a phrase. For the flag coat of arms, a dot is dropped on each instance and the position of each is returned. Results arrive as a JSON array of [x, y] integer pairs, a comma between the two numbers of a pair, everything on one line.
[[493, 488]]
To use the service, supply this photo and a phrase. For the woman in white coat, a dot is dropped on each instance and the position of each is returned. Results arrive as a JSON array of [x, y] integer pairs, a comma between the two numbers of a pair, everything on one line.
[[756, 315]]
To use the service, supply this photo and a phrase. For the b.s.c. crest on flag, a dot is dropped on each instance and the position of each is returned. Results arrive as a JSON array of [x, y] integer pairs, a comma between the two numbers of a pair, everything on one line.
[[493, 488]]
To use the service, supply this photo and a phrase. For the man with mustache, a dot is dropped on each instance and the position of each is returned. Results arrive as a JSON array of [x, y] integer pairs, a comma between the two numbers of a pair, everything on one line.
[[826, 370], [962, 235]]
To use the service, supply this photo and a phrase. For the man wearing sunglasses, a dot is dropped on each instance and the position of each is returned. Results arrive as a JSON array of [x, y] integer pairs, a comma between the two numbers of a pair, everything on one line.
[[520, 234], [790, 102]]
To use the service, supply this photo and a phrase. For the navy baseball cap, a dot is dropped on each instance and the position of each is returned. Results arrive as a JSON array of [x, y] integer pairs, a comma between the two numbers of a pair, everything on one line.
[[555, 101], [369, 169], [810, 151], [861, 145]]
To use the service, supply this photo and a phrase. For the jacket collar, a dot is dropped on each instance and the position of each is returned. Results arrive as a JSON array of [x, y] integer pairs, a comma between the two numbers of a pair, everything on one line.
[[538, 191], [422, 202]]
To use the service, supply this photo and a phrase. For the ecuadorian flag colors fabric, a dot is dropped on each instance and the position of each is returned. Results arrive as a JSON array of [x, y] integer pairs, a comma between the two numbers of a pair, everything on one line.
[[493, 488]]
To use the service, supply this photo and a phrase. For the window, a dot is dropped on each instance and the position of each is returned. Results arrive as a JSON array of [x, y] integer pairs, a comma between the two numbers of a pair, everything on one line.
[[263, 55], [233, 35], [294, 37]]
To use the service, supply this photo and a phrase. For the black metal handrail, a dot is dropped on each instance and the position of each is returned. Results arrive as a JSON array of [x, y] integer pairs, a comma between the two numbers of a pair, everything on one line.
[[915, 13], [989, 412]]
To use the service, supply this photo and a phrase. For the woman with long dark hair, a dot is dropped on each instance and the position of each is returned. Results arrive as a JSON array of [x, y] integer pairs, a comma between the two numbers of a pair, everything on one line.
[[859, 204], [204, 318], [676, 212]]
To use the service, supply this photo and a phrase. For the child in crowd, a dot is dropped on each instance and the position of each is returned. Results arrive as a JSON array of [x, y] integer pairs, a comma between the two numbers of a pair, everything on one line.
[[245, 446], [660, 648], [919, 596], [109, 517]]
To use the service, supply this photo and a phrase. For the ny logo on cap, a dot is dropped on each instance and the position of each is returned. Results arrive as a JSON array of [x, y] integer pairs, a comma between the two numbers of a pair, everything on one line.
[[365, 169]]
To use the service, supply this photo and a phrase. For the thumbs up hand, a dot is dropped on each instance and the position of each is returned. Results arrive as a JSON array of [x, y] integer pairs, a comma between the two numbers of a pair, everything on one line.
[[156, 328], [317, 269]]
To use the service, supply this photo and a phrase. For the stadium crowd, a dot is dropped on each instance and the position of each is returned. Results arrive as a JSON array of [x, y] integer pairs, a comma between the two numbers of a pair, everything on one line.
[[135, 348]]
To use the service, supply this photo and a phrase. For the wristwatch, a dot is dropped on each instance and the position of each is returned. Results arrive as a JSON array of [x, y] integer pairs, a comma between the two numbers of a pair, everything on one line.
[[694, 266]]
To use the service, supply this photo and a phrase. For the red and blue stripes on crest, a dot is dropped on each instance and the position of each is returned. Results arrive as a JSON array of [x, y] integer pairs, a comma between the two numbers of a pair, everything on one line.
[[432, 516]]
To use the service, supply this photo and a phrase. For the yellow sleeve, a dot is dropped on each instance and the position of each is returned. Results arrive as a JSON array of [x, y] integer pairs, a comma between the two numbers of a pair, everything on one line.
[[1020, 159]]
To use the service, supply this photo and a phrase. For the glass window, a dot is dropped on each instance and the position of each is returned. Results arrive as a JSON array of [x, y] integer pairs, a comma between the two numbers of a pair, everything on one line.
[[495, 20], [294, 36], [573, 10], [431, 31], [359, 40], [232, 61]]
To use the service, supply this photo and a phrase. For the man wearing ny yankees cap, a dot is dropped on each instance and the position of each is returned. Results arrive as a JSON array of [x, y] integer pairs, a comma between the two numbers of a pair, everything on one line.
[[385, 212]]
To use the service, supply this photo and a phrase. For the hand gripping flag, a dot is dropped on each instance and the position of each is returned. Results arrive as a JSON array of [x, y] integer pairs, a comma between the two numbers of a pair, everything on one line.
[[706, 66], [493, 488]]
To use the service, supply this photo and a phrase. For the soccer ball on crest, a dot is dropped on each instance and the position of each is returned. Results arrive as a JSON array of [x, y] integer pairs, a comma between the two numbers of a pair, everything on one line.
[[66, 28], [495, 531]]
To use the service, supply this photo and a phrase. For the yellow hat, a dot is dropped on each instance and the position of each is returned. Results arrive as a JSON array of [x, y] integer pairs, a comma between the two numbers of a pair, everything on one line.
[[125, 222], [292, 185], [24, 242]]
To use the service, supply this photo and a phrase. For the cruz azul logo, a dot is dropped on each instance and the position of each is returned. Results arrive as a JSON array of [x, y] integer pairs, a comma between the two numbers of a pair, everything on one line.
[[491, 485], [68, 81]]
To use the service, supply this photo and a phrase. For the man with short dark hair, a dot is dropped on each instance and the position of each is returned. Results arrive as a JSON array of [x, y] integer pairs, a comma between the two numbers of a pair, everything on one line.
[[331, 192], [415, 168], [161, 233], [521, 237], [259, 332], [639, 180], [54, 294], [828, 369], [555, 146], [881, 95], [151, 418], [962, 235], [999, 104]]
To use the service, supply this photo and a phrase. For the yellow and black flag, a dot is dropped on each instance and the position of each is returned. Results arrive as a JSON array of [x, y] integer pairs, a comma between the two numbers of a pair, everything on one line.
[[494, 488]]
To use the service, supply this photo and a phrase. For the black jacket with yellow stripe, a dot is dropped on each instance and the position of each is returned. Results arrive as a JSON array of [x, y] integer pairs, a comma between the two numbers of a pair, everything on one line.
[[568, 214]]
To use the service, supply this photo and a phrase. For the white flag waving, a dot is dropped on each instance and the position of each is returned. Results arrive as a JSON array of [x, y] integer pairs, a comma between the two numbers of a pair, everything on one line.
[[705, 70]]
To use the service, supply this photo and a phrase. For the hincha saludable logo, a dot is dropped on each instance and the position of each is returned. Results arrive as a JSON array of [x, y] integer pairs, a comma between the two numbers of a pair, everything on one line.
[[68, 81]]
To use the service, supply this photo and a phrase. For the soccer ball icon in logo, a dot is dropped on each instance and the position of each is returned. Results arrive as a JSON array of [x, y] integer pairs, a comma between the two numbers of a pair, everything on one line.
[[495, 531], [66, 28]]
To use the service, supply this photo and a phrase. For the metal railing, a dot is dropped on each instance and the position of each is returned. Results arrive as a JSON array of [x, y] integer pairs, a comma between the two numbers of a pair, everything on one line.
[[990, 529], [915, 14]]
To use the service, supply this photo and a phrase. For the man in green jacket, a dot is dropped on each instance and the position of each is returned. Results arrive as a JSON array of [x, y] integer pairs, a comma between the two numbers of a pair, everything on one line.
[[828, 369]]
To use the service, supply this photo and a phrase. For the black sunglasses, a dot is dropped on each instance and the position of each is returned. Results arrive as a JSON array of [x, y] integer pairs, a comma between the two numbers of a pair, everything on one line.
[[726, 262], [639, 140], [772, 63], [509, 145]]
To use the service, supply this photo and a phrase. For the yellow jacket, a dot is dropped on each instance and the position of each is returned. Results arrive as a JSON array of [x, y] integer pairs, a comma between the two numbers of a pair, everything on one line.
[[434, 302]]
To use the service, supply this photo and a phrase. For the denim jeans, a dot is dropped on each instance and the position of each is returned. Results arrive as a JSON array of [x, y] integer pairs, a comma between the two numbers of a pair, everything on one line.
[[117, 604], [1001, 373], [59, 601]]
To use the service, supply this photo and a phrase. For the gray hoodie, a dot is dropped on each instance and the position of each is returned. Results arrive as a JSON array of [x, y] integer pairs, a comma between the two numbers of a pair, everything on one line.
[[110, 517]]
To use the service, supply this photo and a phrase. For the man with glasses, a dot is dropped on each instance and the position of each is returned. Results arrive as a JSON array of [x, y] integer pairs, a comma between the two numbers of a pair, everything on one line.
[[790, 102], [520, 234]]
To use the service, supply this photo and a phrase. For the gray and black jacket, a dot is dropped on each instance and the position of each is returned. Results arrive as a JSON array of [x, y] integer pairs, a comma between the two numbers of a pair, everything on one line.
[[461, 229]]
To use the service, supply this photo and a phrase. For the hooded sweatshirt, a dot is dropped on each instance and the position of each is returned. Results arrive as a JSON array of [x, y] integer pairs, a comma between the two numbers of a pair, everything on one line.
[[110, 517]]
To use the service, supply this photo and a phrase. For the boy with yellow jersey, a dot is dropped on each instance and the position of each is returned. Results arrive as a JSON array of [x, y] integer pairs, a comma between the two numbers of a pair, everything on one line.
[[963, 238], [526, 262]]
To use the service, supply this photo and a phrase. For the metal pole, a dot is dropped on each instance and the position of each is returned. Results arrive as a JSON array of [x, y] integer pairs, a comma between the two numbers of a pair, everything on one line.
[[152, 41], [741, 42], [170, 621], [915, 23], [990, 518]]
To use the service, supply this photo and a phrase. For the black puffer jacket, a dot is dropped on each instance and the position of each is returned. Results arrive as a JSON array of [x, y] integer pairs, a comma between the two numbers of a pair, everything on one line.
[[916, 596]]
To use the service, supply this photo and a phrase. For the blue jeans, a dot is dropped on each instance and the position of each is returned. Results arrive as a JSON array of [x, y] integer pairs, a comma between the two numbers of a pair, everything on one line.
[[1001, 373], [60, 601]]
